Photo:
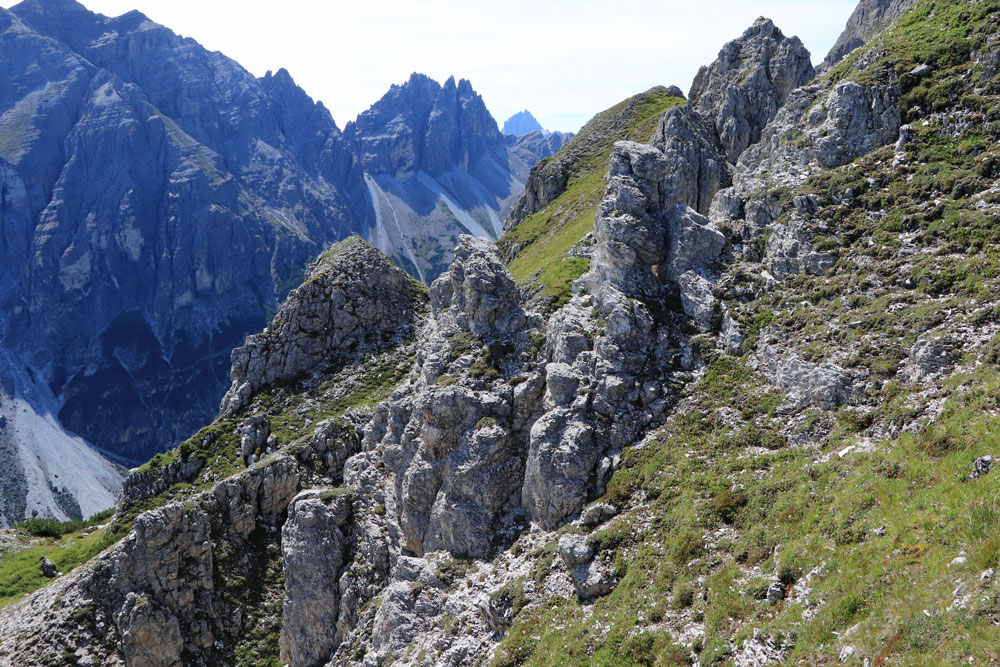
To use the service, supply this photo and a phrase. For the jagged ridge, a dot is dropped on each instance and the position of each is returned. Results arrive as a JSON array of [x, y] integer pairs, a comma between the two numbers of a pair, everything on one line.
[[775, 383]]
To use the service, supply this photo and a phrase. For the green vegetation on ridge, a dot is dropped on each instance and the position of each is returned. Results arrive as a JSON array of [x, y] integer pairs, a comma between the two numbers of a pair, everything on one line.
[[543, 240]]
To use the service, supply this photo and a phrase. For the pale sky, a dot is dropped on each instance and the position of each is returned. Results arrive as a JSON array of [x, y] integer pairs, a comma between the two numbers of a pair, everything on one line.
[[564, 60]]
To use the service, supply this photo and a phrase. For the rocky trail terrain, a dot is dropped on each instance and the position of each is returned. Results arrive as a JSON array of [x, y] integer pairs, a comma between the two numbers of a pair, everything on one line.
[[744, 412]]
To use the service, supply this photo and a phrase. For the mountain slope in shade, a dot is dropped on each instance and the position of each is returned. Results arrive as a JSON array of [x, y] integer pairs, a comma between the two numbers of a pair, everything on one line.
[[161, 234]]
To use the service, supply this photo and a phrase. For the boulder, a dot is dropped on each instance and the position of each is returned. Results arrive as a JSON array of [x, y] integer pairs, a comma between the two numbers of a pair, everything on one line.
[[597, 514], [591, 577], [575, 550], [928, 358], [981, 467], [48, 568], [825, 386]]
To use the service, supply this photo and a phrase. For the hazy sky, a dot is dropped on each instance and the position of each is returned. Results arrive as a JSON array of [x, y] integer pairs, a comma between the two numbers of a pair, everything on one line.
[[564, 60]]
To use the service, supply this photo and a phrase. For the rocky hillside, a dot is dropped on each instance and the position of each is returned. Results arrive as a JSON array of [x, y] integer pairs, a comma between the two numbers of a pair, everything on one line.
[[157, 202], [547, 234], [759, 430]]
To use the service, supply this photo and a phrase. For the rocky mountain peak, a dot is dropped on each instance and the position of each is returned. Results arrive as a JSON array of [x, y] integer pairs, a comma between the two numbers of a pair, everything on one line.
[[749, 81], [50, 7], [353, 301], [521, 123], [423, 126]]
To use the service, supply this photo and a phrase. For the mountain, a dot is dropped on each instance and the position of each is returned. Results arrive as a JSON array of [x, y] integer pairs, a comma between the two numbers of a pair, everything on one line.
[[163, 236], [761, 427], [157, 202], [521, 123], [436, 167]]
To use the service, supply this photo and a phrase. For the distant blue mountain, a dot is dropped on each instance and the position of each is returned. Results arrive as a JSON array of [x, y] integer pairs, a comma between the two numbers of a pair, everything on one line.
[[521, 123]]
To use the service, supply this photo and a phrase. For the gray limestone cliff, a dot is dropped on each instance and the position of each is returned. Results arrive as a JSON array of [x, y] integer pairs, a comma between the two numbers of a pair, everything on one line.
[[751, 79]]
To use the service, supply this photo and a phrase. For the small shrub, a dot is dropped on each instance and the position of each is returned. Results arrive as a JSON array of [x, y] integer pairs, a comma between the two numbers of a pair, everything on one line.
[[485, 422]]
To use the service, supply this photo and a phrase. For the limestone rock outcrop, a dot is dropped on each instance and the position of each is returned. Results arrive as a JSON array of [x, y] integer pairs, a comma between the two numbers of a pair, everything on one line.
[[751, 79], [825, 127], [313, 547], [353, 301], [452, 451], [825, 386]]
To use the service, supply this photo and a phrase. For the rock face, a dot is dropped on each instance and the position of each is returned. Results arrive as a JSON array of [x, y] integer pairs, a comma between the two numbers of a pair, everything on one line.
[[452, 452], [645, 239], [328, 320], [868, 19], [436, 166], [753, 76], [313, 552], [423, 126], [521, 123], [824, 126]]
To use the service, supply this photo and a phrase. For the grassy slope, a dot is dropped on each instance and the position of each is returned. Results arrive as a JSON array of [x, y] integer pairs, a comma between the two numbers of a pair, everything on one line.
[[548, 236], [719, 504], [21, 574]]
